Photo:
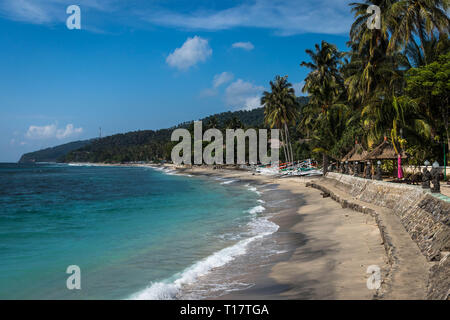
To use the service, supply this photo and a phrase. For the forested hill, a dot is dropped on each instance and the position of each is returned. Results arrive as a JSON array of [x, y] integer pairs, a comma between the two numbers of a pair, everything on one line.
[[145, 145], [150, 145], [55, 154]]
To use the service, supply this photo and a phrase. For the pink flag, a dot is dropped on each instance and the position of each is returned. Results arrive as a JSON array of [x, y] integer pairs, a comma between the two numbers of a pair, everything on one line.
[[400, 171]]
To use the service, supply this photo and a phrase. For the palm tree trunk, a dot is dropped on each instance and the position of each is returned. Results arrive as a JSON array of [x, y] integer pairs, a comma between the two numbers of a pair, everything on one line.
[[325, 163], [288, 143], [284, 145], [446, 126], [292, 154], [290, 146]]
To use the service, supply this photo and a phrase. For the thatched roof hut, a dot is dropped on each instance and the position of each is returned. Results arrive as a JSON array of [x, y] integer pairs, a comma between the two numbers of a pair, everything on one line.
[[385, 151], [358, 153], [348, 155]]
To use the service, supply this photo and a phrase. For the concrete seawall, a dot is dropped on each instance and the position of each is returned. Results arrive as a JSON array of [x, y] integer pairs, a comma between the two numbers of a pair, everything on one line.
[[425, 218]]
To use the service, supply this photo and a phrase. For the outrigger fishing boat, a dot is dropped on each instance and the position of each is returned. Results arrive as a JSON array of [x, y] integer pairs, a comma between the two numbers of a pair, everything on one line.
[[306, 167]]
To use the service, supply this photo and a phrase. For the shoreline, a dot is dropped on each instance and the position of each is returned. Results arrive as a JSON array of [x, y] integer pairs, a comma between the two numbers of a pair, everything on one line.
[[324, 256], [327, 247]]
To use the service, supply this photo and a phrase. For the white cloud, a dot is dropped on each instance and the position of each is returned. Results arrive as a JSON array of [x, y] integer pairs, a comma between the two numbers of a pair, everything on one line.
[[194, 50], [243, 95], [68, 132], [244, 45], [25, 10], [51, 131], [298, 88], [222, 78], [218, 80], [44, 132], [50, 11], [285, 17]]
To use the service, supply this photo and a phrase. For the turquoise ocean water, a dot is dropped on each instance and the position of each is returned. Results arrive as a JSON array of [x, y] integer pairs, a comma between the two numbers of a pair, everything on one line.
[[135, 232]]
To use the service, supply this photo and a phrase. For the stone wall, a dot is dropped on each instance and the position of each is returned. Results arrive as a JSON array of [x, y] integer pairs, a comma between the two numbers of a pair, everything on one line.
[[425, 217], [439, 283]]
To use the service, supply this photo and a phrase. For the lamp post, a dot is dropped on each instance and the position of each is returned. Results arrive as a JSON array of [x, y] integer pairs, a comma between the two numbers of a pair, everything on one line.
[[356, 170], [378, 175], [346, 171], [435, 174], [368, 173], [445, 162], [426, 176]]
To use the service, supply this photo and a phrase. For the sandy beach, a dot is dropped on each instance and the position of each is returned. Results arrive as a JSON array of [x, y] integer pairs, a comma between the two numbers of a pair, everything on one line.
[[326, 248], [326, 241]]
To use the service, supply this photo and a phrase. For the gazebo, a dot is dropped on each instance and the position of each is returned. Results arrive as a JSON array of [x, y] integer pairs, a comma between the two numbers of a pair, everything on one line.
[[357, 154], [386, 151]]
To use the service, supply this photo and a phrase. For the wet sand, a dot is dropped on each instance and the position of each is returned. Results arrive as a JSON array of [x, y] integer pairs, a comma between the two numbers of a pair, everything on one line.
[[327, 249]]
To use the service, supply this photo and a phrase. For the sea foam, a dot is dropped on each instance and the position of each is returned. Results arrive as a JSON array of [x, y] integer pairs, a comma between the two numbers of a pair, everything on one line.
[[229, 181], [257, 209], [253, 189], [170, 289]]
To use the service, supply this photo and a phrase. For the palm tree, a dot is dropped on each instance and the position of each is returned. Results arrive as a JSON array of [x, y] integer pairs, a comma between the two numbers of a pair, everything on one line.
[[418, 18], [375, 72], [280, 110], [325, 87], [401, 21], [374, 41], [374, 92], [432, 49], [324, 82], [213, 123], [233, 123]]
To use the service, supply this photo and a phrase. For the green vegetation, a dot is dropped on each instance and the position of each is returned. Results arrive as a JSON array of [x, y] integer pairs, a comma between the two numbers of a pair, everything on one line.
[[132, 146], [149, 145], [55, 154], [281, 110], [392, 82]]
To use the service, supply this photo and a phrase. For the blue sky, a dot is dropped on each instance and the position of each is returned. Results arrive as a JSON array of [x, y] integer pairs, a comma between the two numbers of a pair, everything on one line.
[[138, 65]]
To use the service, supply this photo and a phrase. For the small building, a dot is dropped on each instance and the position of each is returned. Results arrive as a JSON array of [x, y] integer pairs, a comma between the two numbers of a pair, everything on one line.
[[386, 151]]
